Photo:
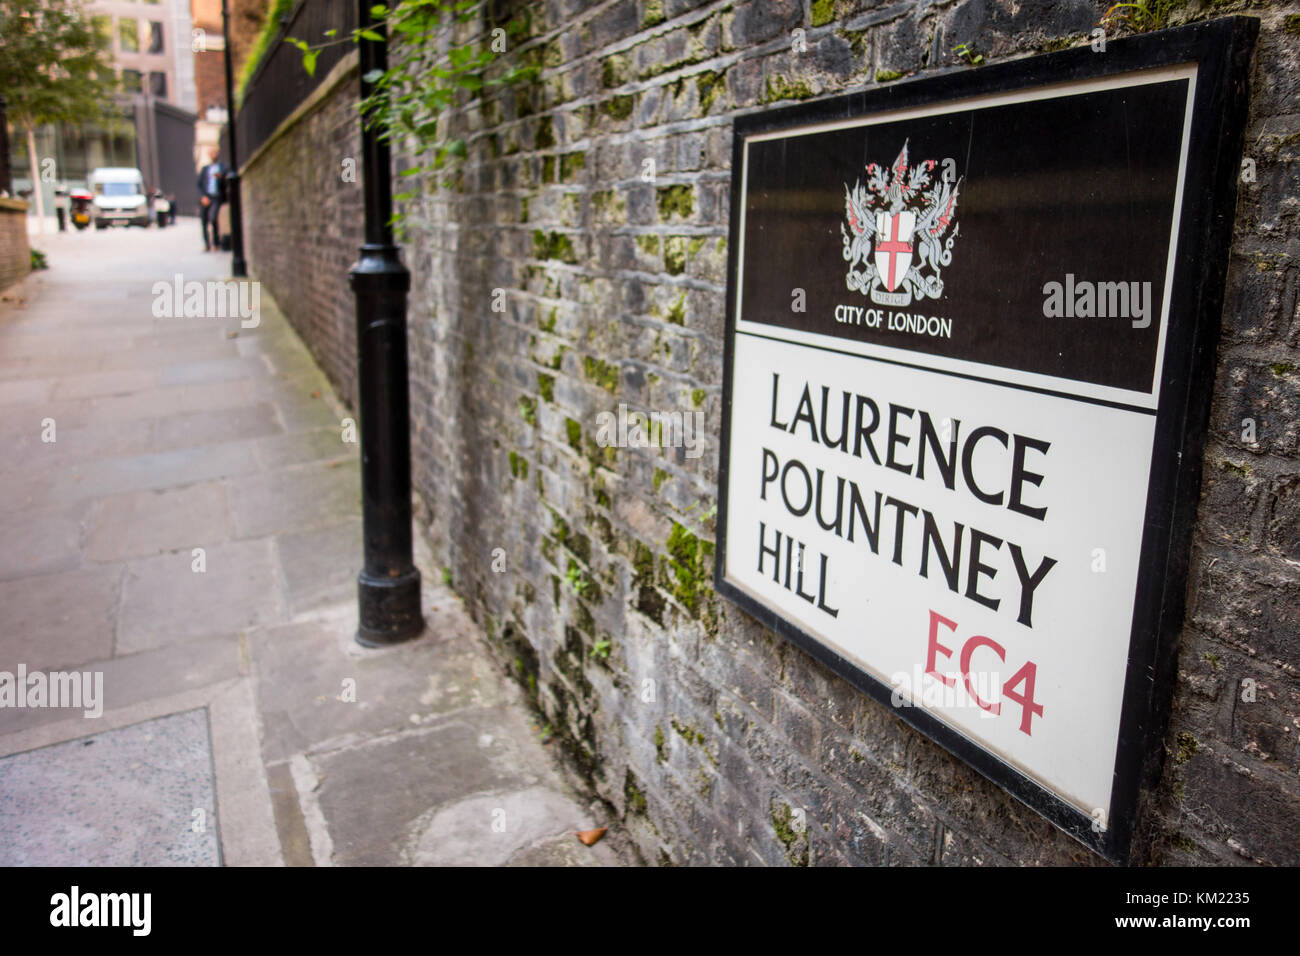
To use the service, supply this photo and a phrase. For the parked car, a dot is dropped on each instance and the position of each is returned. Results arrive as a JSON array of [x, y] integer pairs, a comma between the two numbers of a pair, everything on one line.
[[119, 197]]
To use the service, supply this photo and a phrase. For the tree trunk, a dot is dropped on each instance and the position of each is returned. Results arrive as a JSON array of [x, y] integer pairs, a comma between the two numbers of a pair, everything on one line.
[[32, 167]]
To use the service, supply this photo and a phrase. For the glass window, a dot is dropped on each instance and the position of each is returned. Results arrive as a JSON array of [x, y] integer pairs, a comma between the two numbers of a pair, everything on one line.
[[155, 36], [158, 84], [131, 81], [128, 34]]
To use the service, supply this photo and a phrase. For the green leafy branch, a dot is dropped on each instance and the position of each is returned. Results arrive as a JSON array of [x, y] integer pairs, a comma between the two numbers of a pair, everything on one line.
[[426, 74]]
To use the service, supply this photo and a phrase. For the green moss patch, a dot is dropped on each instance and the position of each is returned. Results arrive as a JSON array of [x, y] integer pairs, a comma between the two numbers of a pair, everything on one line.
[[677, 200], [780, 88], [602, 373], [689, 565], [619, 107]]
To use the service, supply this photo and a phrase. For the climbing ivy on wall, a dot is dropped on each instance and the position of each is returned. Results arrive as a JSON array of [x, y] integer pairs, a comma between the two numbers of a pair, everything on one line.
[[434, 57]]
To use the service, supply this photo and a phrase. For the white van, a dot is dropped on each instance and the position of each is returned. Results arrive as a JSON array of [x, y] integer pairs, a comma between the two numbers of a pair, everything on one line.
[[119, 197]]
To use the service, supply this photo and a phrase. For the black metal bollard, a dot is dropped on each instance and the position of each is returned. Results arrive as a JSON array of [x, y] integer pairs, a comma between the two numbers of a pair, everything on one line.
[[388, 587], [238, 267]]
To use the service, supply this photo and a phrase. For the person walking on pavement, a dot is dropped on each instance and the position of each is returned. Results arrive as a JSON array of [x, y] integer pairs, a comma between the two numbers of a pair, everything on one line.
[[212, 188]]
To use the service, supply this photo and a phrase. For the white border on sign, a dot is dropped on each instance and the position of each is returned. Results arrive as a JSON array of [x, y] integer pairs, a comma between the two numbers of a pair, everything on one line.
[[1068, 387]]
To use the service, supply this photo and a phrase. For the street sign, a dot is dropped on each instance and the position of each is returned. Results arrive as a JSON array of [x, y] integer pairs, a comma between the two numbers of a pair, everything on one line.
[[969, 356]]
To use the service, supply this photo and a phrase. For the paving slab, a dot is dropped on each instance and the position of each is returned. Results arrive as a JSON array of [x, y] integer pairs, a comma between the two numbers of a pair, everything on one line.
[[207, 427], [53, 620], [154, 522], [149, 675], [29, 455], [296, 448], [42, 542], [534, 826], [312, 496], [313, 688], [375, 824], [212, 370], [164, 601]]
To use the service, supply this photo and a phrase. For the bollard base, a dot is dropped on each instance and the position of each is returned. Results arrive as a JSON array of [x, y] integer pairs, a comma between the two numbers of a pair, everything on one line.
[[390, 609]]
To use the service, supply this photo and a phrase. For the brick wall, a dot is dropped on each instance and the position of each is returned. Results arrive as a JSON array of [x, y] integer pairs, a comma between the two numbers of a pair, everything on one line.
[[615, 292], [15, 254], [303, 225]]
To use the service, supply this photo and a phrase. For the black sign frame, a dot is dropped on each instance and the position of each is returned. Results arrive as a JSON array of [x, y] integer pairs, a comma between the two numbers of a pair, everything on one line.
[[1222, 50]]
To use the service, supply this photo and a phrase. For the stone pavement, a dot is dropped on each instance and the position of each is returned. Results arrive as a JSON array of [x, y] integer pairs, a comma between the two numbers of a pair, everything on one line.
[[180, 519]]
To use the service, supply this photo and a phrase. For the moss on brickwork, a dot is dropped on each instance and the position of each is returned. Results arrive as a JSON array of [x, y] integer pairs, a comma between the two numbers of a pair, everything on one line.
[[528, 409], [661, 751], [689, 563], [697, 397], [780, 88], [653, 13], [609, 204], [823, 12], [710, 85], [545, 137], [613, 71], [634, 801], [548, 324], [1291, 23], [856, 39], [1058, 43], [675, 255], [518, 465], [887, 76], [648, 244], [552, 55], [546, 386], [554, 245], [573, 431], [602, 373], [688, 733], [619, 107], [791, 836], [570, 163], [677, 313], [677, 200]]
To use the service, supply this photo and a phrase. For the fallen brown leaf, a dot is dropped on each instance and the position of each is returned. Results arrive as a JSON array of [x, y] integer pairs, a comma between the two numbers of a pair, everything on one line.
[[591, 837]]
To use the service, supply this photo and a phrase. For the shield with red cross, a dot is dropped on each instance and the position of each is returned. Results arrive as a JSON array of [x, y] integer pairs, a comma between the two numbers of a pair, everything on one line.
[[893, 251]]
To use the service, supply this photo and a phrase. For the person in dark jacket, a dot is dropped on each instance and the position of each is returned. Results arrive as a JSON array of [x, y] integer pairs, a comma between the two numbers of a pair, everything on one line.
[[212, 193]]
